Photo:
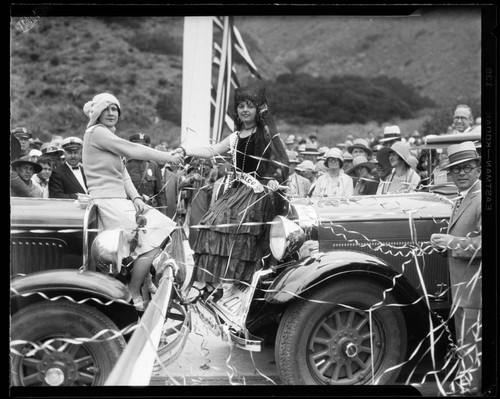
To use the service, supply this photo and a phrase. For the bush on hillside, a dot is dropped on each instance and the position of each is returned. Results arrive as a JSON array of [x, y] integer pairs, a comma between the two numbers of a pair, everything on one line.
[[169, 108], [302, 98], [156, 42]]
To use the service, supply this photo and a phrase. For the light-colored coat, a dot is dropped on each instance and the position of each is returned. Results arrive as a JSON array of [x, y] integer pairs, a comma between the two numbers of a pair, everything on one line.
[[465, 273], [299, 185]]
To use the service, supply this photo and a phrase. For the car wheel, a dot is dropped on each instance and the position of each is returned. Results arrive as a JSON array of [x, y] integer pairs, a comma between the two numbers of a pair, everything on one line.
[[330, 344], [62, 362]]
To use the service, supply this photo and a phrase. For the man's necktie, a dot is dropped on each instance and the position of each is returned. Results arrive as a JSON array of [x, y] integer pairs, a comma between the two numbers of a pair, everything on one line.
[[75, 167], [459, 202]]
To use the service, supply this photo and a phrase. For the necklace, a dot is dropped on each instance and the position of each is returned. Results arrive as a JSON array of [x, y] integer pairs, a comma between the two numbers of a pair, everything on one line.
[[245, 151]]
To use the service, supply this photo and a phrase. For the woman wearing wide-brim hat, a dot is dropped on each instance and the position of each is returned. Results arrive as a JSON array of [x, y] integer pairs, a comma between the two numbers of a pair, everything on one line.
[[361, 171], [403, 178]]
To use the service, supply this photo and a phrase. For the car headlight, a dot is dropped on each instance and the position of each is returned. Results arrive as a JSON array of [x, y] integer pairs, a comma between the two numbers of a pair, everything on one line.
[[107, 250], [285, 237]]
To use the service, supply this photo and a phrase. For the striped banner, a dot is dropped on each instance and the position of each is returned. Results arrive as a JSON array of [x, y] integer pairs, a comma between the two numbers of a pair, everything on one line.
[[205, 107]]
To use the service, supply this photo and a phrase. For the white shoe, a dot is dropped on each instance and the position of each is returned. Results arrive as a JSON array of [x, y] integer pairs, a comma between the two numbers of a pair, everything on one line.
[[138, 303], [151, 287]]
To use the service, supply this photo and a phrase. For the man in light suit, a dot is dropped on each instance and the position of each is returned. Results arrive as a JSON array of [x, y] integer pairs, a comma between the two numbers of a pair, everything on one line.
[[69, 179], [299, 185], [463, 243]]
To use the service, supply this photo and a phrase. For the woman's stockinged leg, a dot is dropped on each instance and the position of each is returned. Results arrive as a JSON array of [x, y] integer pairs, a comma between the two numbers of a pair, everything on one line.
[[141, 269]]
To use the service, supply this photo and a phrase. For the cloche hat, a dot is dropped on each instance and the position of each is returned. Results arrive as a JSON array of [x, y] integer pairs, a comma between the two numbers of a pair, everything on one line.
[[359, 162], [99, 103]]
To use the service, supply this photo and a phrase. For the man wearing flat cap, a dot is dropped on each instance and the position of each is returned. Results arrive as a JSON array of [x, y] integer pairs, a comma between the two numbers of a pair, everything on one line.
[[147, 176], [463, 243], [68, 180], [25, 169]]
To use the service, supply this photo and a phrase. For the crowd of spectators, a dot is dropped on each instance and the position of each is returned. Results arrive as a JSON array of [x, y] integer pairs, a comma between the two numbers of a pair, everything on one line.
[[389, 163]]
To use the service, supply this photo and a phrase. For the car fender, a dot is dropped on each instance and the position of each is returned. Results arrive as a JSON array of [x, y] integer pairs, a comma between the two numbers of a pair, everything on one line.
[[63, 280], [318, 268]]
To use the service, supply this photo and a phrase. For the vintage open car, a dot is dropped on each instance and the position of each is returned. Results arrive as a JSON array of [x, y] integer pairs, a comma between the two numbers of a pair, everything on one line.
[[355, 287]]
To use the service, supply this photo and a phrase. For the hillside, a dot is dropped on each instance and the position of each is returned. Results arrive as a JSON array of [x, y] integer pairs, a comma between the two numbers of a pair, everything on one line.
[[62, 62], [438, 52]]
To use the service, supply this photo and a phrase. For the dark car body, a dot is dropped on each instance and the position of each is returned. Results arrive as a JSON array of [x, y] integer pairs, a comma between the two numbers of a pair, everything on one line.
[[373, 248]]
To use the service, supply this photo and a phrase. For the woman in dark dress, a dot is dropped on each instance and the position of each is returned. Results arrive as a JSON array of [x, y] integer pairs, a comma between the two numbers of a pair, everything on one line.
[[233, 236]]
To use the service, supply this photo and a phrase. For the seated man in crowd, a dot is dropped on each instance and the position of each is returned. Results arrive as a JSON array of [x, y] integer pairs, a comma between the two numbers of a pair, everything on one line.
[[68, 180], [25, 170], [299, 185]]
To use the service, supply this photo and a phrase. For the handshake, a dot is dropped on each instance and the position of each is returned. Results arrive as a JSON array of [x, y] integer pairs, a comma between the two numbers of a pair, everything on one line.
[[177, 156]]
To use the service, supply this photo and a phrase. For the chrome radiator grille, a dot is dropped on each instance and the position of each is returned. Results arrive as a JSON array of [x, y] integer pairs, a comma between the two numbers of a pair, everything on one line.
[[28, 255]]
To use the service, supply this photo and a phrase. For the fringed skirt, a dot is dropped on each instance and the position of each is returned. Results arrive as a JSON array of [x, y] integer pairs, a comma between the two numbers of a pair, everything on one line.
[[236, 237]]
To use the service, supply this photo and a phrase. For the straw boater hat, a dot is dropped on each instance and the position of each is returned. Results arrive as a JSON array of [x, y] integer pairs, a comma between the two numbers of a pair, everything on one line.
[[360, 143], [391, 133], [460, 153], [359, 162], [290, 139], [311, 149], [26, 160]]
